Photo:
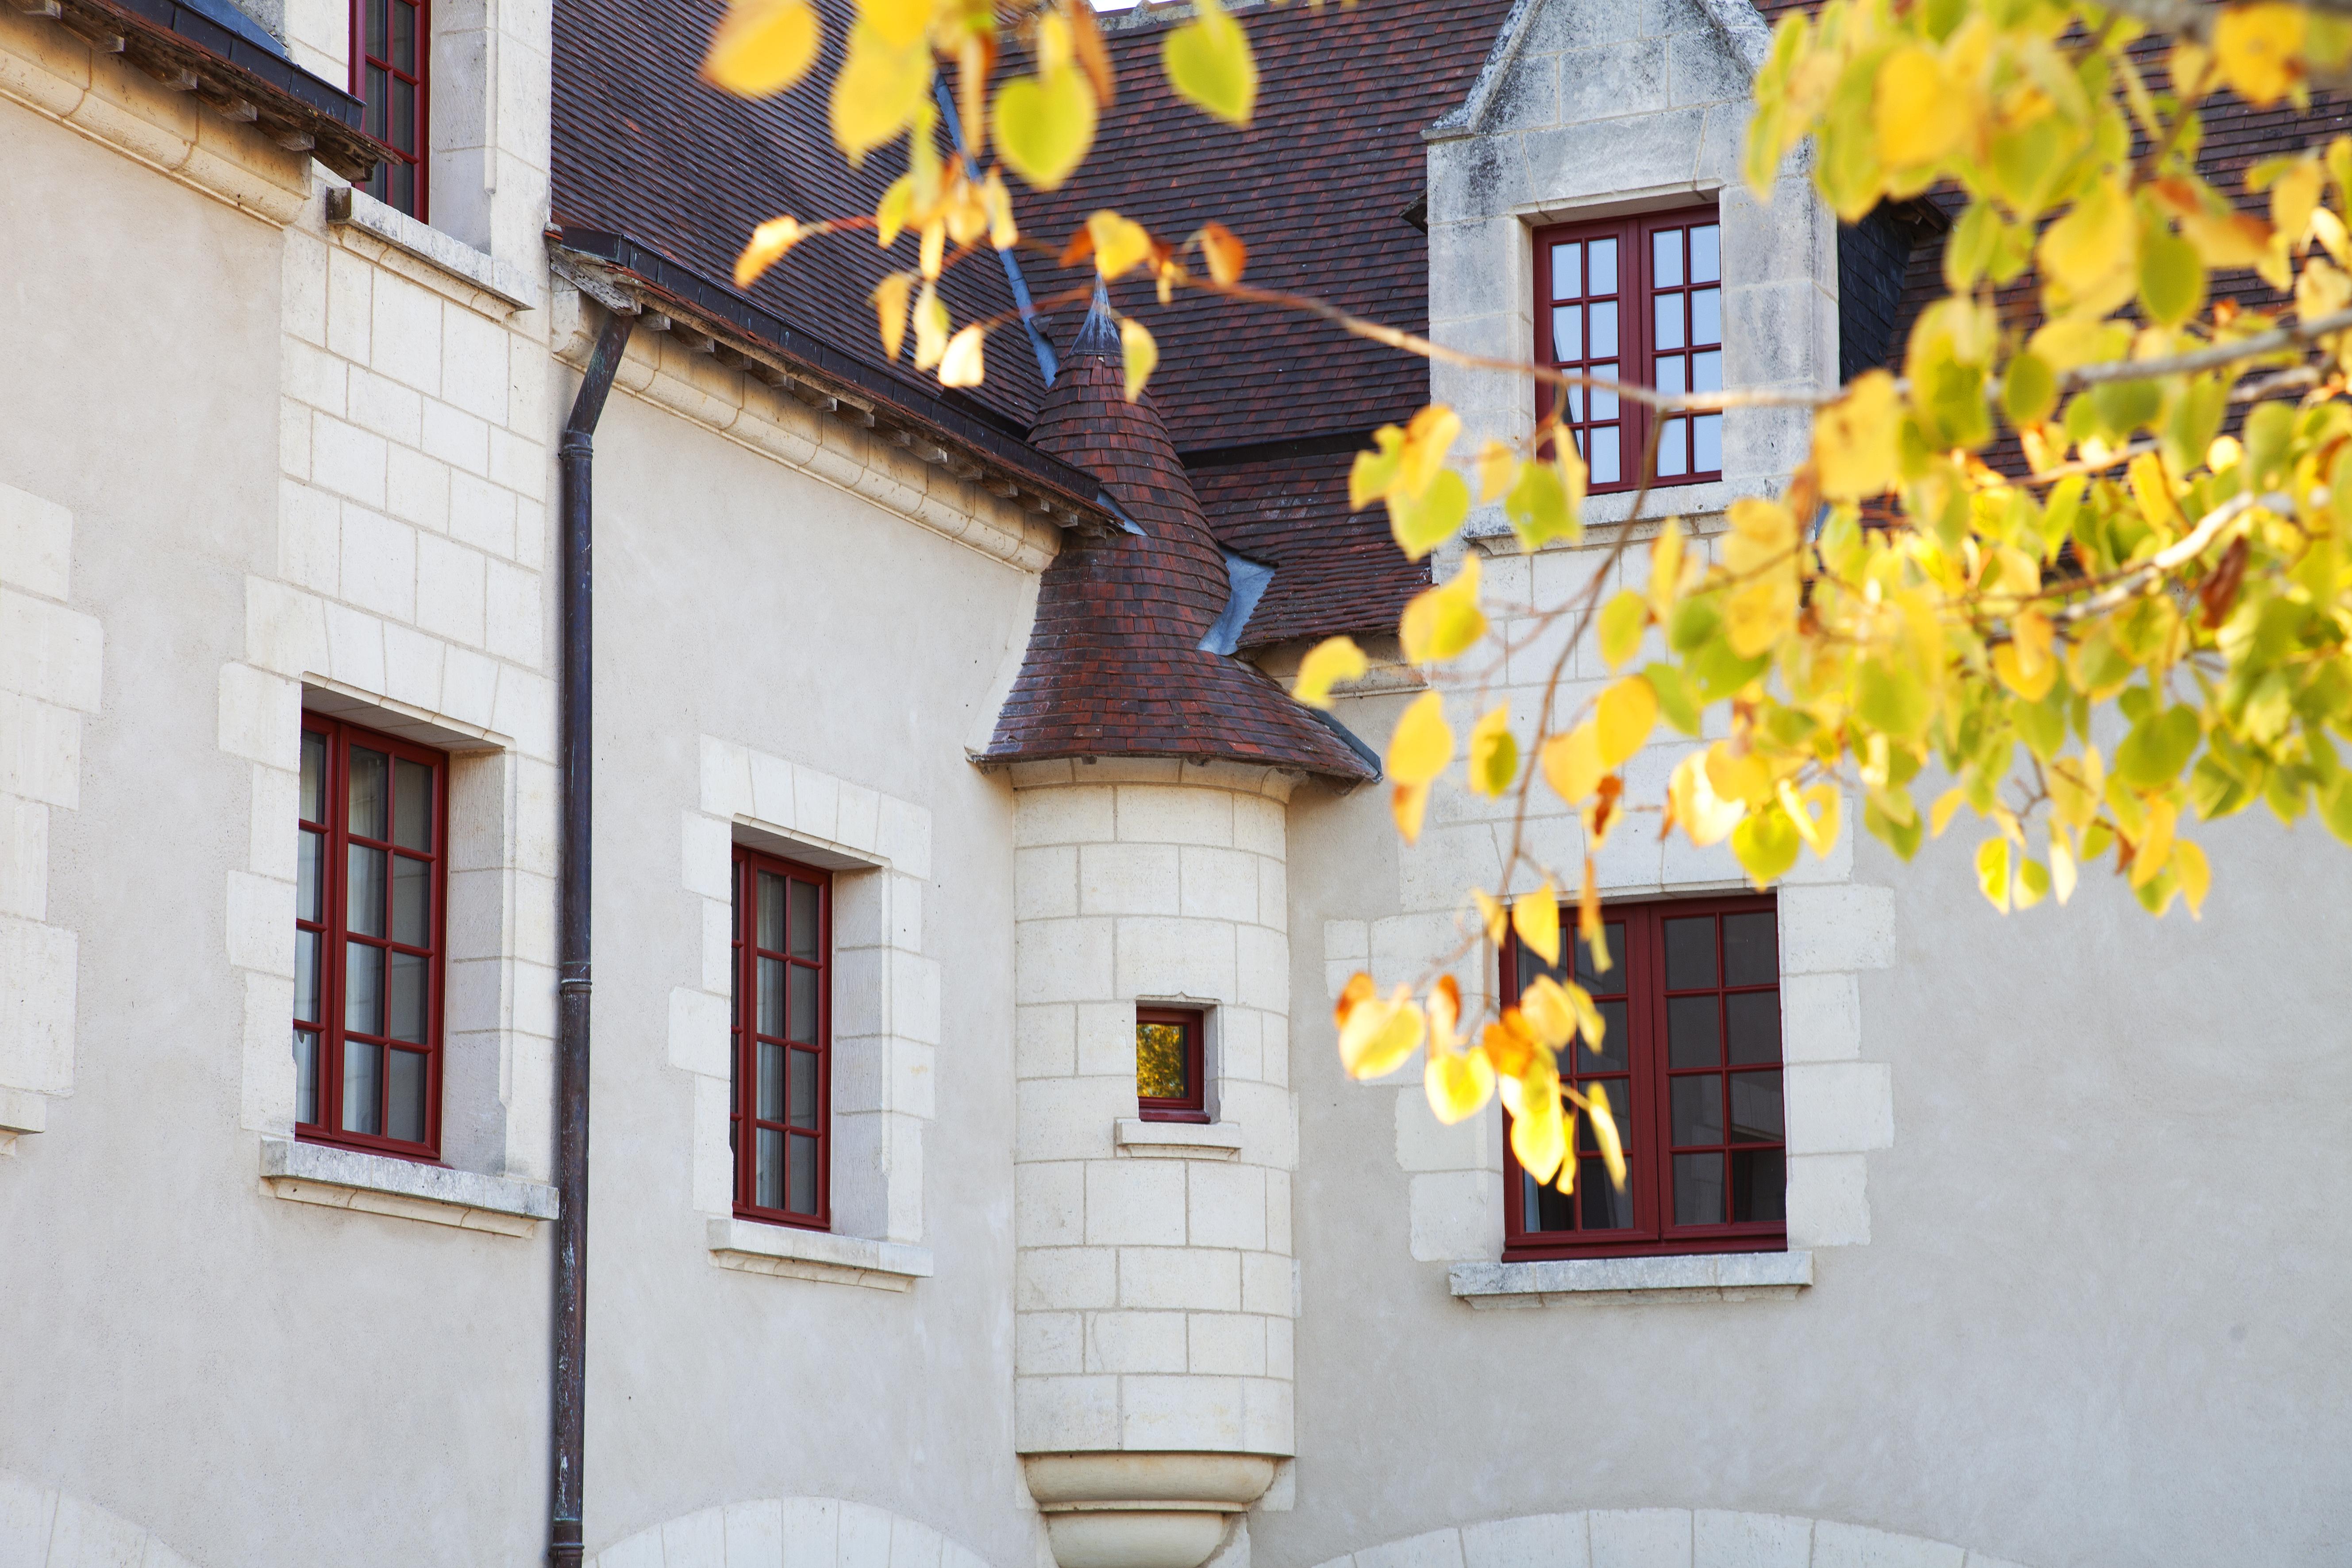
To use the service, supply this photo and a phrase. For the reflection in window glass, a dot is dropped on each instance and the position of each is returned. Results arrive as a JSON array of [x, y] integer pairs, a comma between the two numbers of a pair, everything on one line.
[[1159, 1062]]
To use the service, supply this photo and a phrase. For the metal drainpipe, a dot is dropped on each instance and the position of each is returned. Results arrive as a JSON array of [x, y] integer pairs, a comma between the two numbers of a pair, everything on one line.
[[576, 457]]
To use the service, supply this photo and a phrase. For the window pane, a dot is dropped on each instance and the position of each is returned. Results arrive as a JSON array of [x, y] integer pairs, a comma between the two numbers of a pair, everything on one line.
[[772, 996], [1611, 1057], [363, 1094], [1160, 1062], [372, 120], [1692, 1040], [1603, 454], [412, 804], [363, 891], [1575, 404], [1667, 334], [1619, 1093], [803, 1194], [362, 988], [1567, 333], [308, 877], [314, 776], [1604, 402], [772, 1103], [1670, 375], [1752, 1022], [1673, 449], [804, 1088], [805, 921], [306, 1078], [1690, 953], [412, 899], [1612, 940], [1706, 444], [404, 1111], [404, 123], [1604, 277], [408, 998], [1755, 1108], [1667, 258], [1605, 1208], [1706, 253], [375, 10], [1759, 1184], [1567, 271], [768, 1175], [1751, 949], [1547, 1208], [1604, 330], [306, 977], [1697, 1107], [771, 913], [1698, 1189], [1706, 371], [1707, 315], [802, 987], [403, 37], [403, 193], [368, 782]]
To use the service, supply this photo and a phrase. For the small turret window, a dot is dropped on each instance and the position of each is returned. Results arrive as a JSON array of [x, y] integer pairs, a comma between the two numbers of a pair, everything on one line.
[[1168, 1066]]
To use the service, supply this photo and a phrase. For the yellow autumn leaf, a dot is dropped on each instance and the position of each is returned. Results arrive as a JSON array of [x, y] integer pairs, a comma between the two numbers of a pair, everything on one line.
[[899, 23], [1003, 234], [1492, 915], [1444, 622], [880, 86], [1427, 440], [2091, 256], [2196, 874], [2061, 867], [2259, 48], [1458, 1084], [1667, 568], [1044, 125], [1446, 1014], [1619, 627], [1379, 1034], [1421, 525], [1327, 664], [1535, 917], [1222, 249], [890, 297], [769, 243], [1494, 752], [1855, 450], [1139, 354], [1917, 115], [1624, 719], [964, 364], [1992, 872], [1546, 1006], [930, 328], [1497, 468], [1119, 243], [1423, 742], [1208, 64], [1572, 764], [1604, 1132], [1538, 1132], [1705, 816], [762, 46], [1408, 804]]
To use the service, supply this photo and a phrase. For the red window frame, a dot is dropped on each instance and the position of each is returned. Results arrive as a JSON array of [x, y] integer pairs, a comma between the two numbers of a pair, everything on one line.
[[1662, 336], [327, 937], [392, 73], [796, 1121], [1192, 1105], [1636, 997]]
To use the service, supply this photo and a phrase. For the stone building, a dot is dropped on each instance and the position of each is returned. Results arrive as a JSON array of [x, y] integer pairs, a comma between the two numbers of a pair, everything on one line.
[[965, 1175]]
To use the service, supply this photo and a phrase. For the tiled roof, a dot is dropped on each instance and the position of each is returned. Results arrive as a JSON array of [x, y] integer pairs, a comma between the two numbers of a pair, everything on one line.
[[1334, 570], [1114, 666]]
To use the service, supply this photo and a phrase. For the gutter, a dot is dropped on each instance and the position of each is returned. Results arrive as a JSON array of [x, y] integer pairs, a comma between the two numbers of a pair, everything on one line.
[[575, 457], [626, 276], [189, 52]]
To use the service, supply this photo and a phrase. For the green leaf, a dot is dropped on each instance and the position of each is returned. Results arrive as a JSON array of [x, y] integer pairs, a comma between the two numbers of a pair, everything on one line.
[[2029, 390], [1676, 703], [1538, 506], [1421, 526], [1891, 699], [2157, 748], [1208, 62], [2335, 807], [1992, 872], [2171, 278], [1766, 844], [1622, 622], [1694, 627], [1903, 837]]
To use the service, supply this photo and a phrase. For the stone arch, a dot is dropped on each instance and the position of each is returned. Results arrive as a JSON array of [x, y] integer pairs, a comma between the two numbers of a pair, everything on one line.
[[789, 1533], [47, 1527], [1664, 1538]]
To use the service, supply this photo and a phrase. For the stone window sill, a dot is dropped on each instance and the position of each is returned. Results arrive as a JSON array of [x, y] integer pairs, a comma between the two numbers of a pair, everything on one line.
[[780, 1249], [1575, 1281], [377, 1184], [1139, 1139], [357, 209]]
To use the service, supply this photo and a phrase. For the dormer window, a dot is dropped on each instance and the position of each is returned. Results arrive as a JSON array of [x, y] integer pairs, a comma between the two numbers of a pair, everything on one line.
[[389, 47]]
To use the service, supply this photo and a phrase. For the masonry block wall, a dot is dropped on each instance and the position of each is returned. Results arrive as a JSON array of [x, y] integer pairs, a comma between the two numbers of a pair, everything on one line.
[[1156, 1287]]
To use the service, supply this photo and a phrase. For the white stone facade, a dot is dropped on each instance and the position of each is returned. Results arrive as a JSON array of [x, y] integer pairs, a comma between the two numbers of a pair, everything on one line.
[[1156, 1295]]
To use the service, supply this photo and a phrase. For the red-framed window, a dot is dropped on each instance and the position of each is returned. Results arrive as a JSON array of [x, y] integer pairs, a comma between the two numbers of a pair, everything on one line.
[[781, 1127], [392, 47], [1170, 1082], [1637, 299], [371, 885], [1691, 1063]]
